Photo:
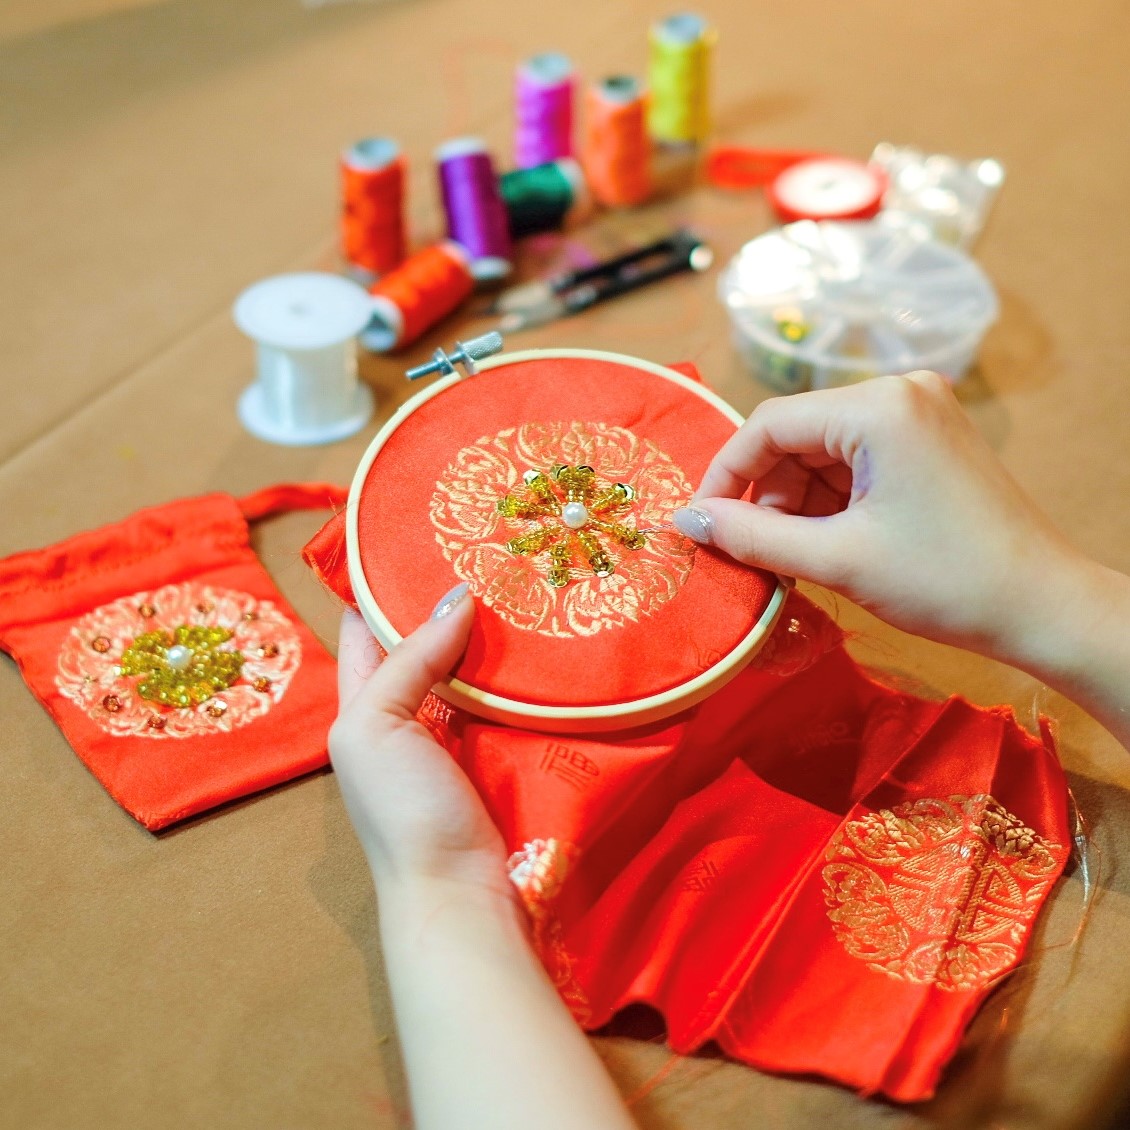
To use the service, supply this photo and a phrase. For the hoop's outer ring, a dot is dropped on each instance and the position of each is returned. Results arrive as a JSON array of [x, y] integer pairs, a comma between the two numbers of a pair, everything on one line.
[[536, 716]]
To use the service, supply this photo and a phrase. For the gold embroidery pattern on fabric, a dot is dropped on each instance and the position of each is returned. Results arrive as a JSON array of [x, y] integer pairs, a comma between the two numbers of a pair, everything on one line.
[[575, 594], [178, 662], [937, 892], [538, 872]]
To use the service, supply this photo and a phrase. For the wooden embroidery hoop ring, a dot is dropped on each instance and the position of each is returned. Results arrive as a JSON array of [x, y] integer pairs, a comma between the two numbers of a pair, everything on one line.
[[535, 716]]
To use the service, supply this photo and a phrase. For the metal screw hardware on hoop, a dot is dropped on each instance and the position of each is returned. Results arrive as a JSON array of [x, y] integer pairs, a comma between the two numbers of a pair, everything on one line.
[[465, 353]]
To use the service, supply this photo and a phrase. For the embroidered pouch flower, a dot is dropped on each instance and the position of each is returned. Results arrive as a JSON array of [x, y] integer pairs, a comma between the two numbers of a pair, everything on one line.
[[168, 657]]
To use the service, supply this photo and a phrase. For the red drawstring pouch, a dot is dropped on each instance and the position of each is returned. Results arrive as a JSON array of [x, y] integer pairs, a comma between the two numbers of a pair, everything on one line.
[[712, 809], [169, 659]]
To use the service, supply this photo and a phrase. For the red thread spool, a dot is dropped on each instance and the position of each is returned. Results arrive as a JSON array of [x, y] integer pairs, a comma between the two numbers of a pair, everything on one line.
[[618, 149], [419, 293], [373, 235]]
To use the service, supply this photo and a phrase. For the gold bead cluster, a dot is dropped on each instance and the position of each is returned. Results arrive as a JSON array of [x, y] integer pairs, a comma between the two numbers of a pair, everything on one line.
[[578, 518], [208, 669]]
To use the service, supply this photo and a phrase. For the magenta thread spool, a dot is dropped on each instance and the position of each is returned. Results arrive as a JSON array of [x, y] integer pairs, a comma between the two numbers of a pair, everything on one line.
[[476, 214], [543, 110]]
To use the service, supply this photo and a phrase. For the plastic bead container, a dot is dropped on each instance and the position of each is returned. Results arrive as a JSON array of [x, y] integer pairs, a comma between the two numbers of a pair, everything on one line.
[[821, 304]]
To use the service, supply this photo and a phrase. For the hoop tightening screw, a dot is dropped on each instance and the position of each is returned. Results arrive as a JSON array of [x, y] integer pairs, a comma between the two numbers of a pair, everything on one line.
[[465, 353]]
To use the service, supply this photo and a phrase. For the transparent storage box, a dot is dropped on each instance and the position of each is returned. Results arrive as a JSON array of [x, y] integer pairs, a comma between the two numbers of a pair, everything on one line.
[[818, 304]]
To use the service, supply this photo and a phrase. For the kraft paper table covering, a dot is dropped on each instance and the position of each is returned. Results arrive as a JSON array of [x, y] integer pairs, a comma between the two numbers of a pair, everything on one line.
[[158, 157]]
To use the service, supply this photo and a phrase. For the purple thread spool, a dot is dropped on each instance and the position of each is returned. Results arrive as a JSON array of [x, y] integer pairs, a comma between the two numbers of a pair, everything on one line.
[[543, 105], [476, 215]]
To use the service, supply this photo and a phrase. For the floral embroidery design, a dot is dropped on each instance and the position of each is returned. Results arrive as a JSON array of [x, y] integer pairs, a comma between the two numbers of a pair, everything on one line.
[[179, 662], [500, 512], [538, 873], [937, 892]]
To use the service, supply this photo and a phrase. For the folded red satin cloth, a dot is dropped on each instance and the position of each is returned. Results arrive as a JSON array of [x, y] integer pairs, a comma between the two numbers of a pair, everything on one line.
[[168, 657], [814, 871]]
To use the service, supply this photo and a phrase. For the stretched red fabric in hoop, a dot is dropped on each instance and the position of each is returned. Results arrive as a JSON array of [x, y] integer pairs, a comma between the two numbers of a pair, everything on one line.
[[816, 872], [107, 625]]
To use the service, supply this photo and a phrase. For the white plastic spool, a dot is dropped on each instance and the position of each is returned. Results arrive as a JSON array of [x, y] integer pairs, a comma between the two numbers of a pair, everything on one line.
[[304, 326]]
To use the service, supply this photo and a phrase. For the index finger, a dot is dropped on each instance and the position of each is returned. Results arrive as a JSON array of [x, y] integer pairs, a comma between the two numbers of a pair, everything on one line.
[[806, 424]]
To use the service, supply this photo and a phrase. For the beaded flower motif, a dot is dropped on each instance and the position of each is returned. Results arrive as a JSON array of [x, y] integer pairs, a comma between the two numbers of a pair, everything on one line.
[[564, 528], [178, 662]]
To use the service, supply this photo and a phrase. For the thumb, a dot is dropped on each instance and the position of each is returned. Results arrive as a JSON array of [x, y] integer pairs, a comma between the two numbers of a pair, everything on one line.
[[400, 684], [789, 544]]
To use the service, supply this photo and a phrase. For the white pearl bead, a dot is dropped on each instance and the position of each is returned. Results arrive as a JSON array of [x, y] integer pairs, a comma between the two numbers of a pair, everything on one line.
[[178, 657], [574, 515]]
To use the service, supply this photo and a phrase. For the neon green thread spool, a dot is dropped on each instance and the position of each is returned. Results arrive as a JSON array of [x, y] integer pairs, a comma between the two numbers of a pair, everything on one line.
[[679, 77]]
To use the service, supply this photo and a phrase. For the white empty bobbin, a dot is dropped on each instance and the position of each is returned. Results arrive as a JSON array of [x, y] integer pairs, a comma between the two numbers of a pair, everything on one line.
[[304, 326]]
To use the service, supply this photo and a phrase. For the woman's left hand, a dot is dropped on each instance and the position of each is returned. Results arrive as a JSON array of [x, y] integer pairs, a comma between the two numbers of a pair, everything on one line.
[[415, 812]]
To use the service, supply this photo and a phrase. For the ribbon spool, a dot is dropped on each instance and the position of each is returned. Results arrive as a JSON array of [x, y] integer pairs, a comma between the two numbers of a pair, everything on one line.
[[802, 186], [618, 150], [476, 215], [543, 110], [307, 390], [545, 198], [679, 78], [827, 188], [422, 291], [373, 234]]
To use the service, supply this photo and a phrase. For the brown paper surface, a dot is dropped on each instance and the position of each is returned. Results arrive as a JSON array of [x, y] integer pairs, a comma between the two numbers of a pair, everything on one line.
[[159, 155]]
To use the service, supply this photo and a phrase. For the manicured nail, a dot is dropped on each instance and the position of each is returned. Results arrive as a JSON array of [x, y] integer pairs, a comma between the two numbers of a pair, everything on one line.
[[450, 602], [694, 524]]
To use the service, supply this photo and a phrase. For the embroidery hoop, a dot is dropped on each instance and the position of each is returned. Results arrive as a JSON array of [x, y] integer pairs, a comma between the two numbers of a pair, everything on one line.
[[536, 716]]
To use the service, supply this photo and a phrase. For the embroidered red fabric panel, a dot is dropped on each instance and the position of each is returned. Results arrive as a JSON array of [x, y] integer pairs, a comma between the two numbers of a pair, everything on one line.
[[168, 657], [817, 872], [438, 482]]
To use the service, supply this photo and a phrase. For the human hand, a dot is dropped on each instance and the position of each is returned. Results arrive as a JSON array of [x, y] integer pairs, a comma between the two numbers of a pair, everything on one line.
[[416, 814], [886, 493]]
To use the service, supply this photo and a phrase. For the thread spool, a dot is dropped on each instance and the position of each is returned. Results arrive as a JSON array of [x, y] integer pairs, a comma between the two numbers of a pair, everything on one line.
[[545, 198], [679, 78], [618, 150], [423, 290], [476, 215], [543, 110], [304, 326], [373, 235]]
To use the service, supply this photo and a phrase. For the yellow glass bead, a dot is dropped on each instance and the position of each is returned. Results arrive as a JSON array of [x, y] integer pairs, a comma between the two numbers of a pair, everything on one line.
[[534, 542], [560, 559], [599, 561]]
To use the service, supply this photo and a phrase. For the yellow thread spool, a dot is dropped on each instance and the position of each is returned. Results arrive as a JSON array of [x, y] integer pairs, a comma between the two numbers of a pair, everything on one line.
[[679, 79]]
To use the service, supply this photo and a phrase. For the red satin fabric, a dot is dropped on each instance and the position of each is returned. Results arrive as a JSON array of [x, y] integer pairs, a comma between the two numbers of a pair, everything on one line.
[[699, 851], [193, 550], [407, 570], [815, 872]]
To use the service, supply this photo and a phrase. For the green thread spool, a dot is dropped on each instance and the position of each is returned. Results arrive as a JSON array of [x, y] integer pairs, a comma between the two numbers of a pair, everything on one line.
[[546, 197]]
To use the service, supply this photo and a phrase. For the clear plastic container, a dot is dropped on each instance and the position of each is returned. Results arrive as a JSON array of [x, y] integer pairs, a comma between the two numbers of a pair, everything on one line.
[[818, 304]]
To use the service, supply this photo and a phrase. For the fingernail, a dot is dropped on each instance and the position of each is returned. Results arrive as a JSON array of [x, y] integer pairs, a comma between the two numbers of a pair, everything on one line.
[[694, 524], [449, 602]]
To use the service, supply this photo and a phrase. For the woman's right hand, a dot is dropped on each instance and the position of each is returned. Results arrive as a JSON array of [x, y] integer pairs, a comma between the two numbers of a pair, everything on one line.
[[885, 492]]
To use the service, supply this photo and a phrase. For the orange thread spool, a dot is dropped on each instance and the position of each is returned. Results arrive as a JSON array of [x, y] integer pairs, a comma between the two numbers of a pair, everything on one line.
[[410, 300], [618, 149], [373, 236]]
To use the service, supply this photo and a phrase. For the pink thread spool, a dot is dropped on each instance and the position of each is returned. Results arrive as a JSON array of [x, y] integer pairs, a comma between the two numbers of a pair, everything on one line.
[[543, 107]]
